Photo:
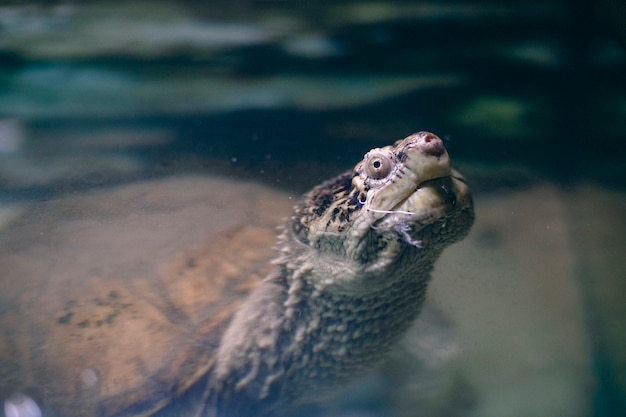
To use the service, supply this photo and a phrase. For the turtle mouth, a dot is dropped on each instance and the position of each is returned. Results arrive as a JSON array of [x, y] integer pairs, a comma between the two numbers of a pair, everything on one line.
[[431, 201], [443, 187]]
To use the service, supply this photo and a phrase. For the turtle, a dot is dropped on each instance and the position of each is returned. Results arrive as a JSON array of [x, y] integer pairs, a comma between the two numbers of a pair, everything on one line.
[[189, 297]]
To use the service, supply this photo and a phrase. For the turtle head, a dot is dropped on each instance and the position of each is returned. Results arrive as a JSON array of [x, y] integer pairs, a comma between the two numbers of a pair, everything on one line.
[[392, 214]]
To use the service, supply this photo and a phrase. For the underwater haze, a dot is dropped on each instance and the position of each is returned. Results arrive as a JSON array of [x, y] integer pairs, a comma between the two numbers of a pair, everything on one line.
[[524, 317]]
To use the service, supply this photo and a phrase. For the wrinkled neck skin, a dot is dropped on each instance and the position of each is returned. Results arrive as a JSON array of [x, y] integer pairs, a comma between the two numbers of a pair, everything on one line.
[[299, 335], [351, 275]]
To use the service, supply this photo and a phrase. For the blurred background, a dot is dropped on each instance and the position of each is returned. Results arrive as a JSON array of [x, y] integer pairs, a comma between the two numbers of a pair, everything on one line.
[[529, 96]]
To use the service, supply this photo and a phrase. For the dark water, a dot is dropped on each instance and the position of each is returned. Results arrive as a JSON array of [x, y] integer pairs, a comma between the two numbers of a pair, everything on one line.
[[95, 94]]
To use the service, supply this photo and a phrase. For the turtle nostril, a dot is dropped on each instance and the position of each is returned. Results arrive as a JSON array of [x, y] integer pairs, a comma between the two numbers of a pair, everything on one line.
[[430, 144]]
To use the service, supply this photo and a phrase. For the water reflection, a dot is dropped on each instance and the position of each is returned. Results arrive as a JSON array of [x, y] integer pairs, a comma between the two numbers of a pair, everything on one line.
[[530, 102], [21, 405]]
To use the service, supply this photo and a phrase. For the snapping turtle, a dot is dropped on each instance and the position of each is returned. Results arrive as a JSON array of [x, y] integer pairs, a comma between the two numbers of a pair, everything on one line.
[[127, 303]]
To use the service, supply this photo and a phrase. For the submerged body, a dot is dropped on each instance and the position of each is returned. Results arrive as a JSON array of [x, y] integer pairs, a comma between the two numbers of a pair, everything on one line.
[[353, 263]]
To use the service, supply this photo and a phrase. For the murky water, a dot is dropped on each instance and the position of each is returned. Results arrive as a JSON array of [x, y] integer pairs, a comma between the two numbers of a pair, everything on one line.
[[524, 316]]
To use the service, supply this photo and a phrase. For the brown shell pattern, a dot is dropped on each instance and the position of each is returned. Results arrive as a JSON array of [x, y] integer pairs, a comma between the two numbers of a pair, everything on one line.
[[111, 298]]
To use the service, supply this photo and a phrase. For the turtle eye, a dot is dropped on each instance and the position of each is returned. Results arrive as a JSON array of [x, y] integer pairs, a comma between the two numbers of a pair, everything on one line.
[[378, 166]]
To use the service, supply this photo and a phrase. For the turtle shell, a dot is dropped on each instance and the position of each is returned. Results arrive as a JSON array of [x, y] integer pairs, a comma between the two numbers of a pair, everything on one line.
[[113, 303]]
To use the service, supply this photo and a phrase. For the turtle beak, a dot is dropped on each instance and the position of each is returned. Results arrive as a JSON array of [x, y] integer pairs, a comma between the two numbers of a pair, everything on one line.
[[432, 200]]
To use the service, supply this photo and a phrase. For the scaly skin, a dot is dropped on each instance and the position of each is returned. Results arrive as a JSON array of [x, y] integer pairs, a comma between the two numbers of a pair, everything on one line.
[[128, 302], [355, 259]]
